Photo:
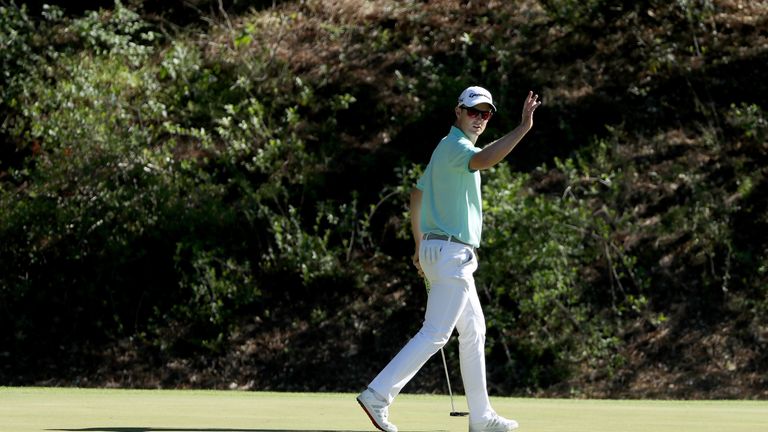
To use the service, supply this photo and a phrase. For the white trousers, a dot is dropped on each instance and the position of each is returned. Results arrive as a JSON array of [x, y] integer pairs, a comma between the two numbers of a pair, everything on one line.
[[452, 303]]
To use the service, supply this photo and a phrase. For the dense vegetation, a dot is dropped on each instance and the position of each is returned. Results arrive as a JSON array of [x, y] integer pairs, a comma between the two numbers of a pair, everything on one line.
[[201, 196]]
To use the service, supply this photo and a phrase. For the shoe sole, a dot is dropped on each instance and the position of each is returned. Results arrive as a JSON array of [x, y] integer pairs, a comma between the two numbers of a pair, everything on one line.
[[362, 405], [508, 430]]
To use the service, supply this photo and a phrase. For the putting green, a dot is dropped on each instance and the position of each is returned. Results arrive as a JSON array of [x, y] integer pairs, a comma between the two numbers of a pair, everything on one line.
[[97, 410]]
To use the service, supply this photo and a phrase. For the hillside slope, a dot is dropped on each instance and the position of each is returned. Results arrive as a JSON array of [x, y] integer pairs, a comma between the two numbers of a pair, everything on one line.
[[671, 93], [238, 188]]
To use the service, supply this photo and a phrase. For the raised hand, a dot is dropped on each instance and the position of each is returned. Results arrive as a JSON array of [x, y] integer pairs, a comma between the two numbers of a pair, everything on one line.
[[531, 103]]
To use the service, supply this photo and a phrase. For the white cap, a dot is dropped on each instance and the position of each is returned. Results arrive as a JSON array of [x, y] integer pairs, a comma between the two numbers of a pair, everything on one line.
[[476, 95]]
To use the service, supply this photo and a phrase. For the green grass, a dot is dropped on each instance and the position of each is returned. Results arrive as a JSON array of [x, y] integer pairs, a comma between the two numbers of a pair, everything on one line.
[[97, 410]]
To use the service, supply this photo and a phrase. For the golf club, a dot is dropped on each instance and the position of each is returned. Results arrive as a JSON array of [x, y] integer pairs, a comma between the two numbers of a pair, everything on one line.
[[454, 413]]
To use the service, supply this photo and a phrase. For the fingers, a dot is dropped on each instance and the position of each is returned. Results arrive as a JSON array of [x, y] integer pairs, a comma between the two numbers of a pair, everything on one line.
[[431, 254], [417, 264], [532, 99], [428, 255], [531, 103]]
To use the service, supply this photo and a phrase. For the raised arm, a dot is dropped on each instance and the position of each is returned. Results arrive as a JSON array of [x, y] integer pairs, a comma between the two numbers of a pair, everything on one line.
[[496, 151]]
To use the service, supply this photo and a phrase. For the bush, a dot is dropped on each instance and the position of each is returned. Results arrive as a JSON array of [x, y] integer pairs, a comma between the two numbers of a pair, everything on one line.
[[539, 268], [156, 192]]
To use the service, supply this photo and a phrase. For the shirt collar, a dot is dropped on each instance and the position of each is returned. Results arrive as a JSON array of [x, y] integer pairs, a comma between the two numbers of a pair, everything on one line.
[[458, 133]]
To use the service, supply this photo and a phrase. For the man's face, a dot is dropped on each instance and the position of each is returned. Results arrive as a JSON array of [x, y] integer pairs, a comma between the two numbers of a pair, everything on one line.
[[470, 120]]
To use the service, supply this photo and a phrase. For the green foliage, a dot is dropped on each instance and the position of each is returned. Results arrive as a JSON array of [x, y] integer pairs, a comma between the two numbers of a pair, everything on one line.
[[546, 308], [750, 119], [16, 50], [246, 184], [155, 193]]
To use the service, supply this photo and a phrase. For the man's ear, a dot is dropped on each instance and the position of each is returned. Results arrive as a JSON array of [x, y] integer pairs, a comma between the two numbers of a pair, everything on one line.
[[457, 111]]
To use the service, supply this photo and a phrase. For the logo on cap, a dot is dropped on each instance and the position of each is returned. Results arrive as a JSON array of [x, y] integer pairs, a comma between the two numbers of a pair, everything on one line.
[[471, 96]]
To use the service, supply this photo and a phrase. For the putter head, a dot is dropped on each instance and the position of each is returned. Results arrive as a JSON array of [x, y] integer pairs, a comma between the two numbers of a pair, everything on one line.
[[459, 414]]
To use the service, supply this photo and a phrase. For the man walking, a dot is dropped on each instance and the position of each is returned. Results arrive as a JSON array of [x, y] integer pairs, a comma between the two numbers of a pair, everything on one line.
[[446, 221]]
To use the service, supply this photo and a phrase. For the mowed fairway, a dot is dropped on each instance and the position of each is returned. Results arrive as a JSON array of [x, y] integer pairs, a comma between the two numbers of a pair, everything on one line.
[[94, 410]]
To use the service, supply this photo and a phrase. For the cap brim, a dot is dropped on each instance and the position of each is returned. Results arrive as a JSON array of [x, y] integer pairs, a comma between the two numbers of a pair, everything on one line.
[[480, 100]]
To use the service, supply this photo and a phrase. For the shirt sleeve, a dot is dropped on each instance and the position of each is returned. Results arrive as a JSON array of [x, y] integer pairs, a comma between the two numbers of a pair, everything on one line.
[[459, 153], [421, 182]]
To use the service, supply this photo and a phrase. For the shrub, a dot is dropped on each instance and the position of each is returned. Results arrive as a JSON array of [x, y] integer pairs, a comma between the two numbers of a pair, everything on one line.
[[156, 191], [539, 270]]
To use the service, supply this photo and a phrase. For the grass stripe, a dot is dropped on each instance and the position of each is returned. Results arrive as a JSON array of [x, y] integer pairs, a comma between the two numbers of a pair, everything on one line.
[[105, 410]]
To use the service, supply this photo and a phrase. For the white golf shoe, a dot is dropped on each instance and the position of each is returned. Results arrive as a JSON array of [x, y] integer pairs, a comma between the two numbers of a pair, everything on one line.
[[497, 423], [377, 410]]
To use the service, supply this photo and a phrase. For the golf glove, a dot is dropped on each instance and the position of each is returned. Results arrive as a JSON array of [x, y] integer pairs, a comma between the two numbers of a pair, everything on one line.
[[430, 253]]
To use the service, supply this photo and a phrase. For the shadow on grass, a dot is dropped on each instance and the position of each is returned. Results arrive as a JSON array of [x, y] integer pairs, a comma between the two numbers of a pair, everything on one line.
[[172, 429]]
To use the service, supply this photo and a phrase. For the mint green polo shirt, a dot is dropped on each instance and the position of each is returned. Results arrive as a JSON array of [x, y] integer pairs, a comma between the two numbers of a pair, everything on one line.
[[451, 202]]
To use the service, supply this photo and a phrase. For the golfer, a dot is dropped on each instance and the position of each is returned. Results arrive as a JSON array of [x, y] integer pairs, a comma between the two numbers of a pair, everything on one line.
[[446, 221]]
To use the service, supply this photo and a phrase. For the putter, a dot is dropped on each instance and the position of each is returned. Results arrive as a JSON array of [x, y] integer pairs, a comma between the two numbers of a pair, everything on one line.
[[454, 413]]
